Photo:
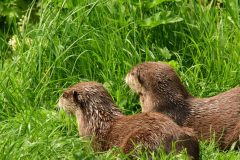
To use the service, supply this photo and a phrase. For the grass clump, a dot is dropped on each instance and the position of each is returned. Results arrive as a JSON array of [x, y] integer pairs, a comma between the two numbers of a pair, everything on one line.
[[101, 41]]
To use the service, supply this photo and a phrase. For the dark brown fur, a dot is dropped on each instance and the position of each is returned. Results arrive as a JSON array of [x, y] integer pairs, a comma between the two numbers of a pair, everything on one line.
[[161, 90], [98, 116]]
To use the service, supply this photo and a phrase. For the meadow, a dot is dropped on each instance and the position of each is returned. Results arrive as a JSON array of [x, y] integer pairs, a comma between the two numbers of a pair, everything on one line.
[[100, 40]]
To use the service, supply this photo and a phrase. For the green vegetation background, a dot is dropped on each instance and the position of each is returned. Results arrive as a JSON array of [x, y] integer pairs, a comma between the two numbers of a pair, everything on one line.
[[46, 46]]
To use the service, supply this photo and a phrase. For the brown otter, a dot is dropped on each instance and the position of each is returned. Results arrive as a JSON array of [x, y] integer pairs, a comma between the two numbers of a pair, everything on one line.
[[98, 116], [161, 90]]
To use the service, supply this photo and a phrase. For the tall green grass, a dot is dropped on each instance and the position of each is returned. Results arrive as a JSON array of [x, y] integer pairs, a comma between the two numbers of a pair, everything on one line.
[[101, 41]]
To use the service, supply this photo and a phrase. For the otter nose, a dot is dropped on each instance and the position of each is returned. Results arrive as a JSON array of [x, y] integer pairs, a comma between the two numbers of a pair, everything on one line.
[[57, 109]]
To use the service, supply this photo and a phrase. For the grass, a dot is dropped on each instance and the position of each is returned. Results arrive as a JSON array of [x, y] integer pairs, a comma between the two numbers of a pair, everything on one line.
[[101, 41]]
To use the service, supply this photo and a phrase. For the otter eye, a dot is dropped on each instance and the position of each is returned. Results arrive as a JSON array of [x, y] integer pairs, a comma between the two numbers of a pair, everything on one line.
[[78, 99], [139, 77], [75, 96]]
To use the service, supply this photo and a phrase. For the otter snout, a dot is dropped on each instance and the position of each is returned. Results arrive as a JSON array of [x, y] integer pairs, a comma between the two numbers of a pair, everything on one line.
[[60, 104], [67, 105], [132, 81], [128, 78]]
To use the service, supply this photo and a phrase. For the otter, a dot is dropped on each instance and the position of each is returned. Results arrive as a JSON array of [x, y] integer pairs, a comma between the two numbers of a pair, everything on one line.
[[98, 117], [160, 90]]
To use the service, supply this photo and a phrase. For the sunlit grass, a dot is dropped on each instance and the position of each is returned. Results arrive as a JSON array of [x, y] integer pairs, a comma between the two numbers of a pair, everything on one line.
[[101, 41]]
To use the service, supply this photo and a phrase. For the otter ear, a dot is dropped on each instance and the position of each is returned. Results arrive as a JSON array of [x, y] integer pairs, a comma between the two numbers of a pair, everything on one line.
[[75, 96], [139, 77], [65, 95]]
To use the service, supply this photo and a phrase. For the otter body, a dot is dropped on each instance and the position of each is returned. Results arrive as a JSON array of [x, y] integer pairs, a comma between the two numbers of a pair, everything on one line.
[[98, 116], [161, 90], [151, 131]]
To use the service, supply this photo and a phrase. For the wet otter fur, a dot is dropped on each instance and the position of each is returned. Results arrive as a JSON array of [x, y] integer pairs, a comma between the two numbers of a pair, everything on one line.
[[161, 90], [98, 117]]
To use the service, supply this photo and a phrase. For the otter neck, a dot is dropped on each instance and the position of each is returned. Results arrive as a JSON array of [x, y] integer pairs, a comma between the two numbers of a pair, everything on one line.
[[179, 113], [96, 119], [175, 105], [172, 99]]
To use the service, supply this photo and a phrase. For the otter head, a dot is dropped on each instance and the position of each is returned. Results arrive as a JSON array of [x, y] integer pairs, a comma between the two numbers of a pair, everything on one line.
[[92, 105], [158, 86], [68, 102]]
